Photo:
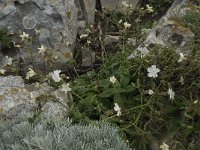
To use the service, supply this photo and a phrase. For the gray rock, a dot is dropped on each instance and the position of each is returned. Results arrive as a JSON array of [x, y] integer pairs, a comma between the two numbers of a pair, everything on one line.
[[88, 7], [56, 20], [111, 39], [88, 57], [168, 32], [118, 4], [18, 98]]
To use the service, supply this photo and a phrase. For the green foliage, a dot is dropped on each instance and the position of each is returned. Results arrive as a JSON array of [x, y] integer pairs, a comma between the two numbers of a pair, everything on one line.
[[56, 134], [5, 39], [145, 118]]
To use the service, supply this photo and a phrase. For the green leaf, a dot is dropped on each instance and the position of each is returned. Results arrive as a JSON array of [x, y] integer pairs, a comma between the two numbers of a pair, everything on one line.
[[111, 91], [124, 79]]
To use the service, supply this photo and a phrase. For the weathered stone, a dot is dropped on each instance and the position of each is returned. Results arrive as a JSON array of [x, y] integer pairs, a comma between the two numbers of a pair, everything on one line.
[[168, 32], [56, 21], [119, 4], [110, 39], [18, 98], [88, 57]]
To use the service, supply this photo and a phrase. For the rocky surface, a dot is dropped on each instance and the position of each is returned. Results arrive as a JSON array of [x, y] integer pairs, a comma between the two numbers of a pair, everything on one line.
[[168, 32], [56, 21], [119, 5], [18, 98]]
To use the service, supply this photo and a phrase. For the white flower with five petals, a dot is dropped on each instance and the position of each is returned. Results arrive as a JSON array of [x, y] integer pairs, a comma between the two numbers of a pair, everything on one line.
[[55, 75], [42, 49], [149, 9], [164, 146], [24, 36], [182, 57], [150, 92], [66, 88], [30, 73], [113, 79], [127, 25], [171, 93], [152, 71], [2, 71], [117, 109]]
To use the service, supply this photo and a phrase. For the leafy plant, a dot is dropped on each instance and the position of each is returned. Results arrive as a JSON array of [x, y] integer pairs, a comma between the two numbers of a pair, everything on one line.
[[170, 113], [5, 39]]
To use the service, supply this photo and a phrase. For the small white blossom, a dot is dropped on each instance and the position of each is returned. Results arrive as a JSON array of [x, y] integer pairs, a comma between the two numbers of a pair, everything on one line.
[[149, 9], [32, 100], [113, 79], [89, 42], [24, 36], [17, 46], [42, 49], [171, 93], [152, 71], [182, 57], [8, 60], [66, 88], [83, 36], [182, 80], [196, 101], [117, 109], [120, 21], [164, 146], [30, 73], [2, 71], [127, 25], [37, 31], [55, 75], [150, 92]]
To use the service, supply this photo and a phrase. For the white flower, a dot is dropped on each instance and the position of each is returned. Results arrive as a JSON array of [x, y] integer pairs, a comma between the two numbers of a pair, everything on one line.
[[182, 57], [24, 36], [127, 25], [152, 71], [150, 92], [37, 31], [2, 71], [32, 101], [113, 79], [8, 60], [171, 93], [17, 46], [196, 101], [84, 36], [30, 73], [149, 8], [42, 49], [144, 51], [89, 42], [55, 75], [164, 146], [120, 21], [117, 109], [66, 88]]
